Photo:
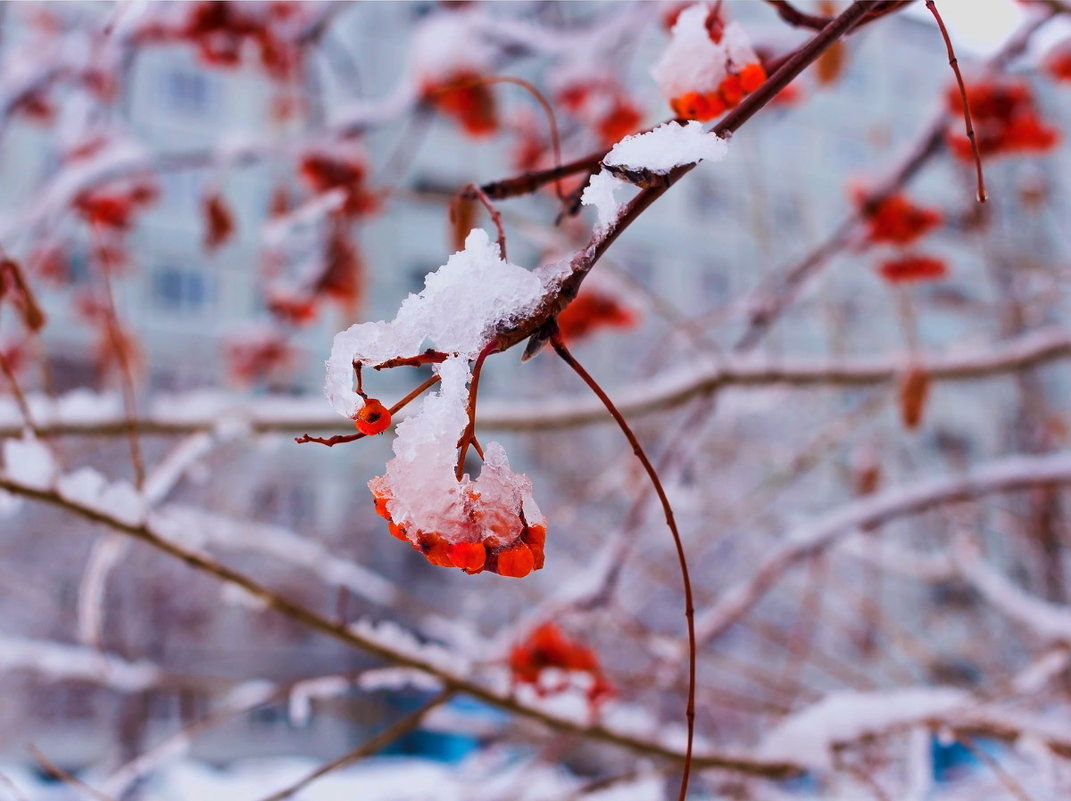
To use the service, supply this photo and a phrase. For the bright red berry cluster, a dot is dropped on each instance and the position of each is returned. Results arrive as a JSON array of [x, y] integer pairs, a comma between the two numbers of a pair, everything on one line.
[[1005, 120], [115, 207], [325, 171], [516, 558], [705, 106], [897, 221], [604, 106], [464, 98], [912, 267], [1058, 62], [548, 648]]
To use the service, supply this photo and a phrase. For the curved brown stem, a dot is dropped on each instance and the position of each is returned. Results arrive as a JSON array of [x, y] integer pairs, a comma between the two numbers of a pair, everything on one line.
[[953, 62], [689, 604]]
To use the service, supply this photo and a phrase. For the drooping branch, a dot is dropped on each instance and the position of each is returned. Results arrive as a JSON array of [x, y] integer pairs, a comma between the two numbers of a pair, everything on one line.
[[386, 646]]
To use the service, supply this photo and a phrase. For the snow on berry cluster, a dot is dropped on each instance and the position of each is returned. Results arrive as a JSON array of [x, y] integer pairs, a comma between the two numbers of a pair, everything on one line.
[[708, 66], [490, 522], [449, 59]]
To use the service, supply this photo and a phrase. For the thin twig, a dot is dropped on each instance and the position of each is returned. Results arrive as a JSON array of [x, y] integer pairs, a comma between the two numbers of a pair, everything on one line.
[[1005, 778], [368, 748], [689, 605], [68, 778], [340, 438], [470, 428], [953, 62]]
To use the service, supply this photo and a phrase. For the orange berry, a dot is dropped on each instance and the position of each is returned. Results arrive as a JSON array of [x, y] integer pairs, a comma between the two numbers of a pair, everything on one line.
[[752, 77], [372, 418], [469, 556], [436, 551], [381, 507], [397, 531], [692, 106], [516, 562], [715, 104], [732, 90], [535, 537]]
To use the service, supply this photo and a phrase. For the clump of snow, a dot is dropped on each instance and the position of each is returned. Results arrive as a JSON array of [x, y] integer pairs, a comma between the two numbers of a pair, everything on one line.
[[29, 462], [424, 494], [601, 193], [89, 488], [59, 661], [808, 737], [668, 146], [693, 62], [397, 679], [457, 312], [449, 44]]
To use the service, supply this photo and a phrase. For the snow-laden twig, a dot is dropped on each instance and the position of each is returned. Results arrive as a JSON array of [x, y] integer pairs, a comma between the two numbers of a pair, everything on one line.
[[106, 553], [58, 662], [1051, 622], [998, 475], [83, 414], [392, 644]]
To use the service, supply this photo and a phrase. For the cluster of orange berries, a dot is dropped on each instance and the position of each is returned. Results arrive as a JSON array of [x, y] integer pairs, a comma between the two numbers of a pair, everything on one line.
[[1005, 121], [464, 98], [547, 647], [912, 267], [605, 106], [705, 106], [115, 207], [515, 559], [898, 221], [326, 172]]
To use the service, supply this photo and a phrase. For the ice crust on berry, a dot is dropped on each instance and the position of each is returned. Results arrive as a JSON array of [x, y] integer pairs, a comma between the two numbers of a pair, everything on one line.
[[424, 494], [601, 193], [692, 62], [667, 146], [457, 312]]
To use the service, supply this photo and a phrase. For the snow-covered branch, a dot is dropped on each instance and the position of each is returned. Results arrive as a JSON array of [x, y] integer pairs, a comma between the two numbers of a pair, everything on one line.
[[85, 414], [999, 475]]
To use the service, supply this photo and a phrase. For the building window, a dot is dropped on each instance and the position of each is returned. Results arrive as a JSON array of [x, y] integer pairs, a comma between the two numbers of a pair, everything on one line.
[[178, 289], [187, 92]]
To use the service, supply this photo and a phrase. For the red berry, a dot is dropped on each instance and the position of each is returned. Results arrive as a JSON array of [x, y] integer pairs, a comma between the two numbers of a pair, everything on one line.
[[372, 418]]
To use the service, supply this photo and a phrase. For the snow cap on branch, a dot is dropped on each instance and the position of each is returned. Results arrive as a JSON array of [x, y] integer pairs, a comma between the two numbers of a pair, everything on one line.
[[694, 61], [668, 146], [458, 311]]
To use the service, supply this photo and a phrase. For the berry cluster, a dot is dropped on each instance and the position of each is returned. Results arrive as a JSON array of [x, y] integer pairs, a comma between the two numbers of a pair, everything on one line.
[[496, 554], [464, 98], [548, 649], [1005, 121], [342, 169], [912, 267], [897, 221], [706, 106], [602, 105]]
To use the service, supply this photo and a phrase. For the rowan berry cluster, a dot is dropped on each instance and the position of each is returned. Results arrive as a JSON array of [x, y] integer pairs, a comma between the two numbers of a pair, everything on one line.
[[505, 552], [548, 650], [898, 222], [1006, 120], [709, 66]]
